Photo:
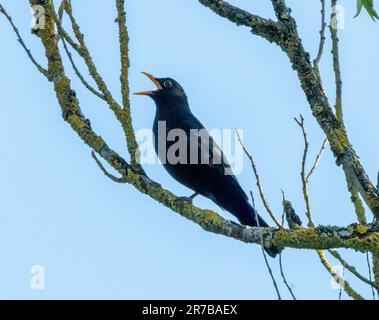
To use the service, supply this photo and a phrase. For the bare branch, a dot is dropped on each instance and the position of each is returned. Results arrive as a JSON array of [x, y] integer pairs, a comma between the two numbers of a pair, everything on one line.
[[22, 43], [284, 277], [122, 114], [264, 253], [345, 284], [303, 175], [267, 29], [287, 37], [336, 65], [375, 269], [258, 180], [78, 73], [332, 237], [318, 157], [370, 277], [85, 54], [69, 55], [317, 60], [283, 13], [358, 205], [280, 253], [109, 175], [310, 238], [350, 268]]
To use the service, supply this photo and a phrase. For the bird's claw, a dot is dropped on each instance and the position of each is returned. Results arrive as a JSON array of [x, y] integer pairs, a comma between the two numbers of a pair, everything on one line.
[[188, 199], [185, 199]]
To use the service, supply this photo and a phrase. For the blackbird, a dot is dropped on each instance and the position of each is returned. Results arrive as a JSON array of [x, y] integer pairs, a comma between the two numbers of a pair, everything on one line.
[[213, 178]]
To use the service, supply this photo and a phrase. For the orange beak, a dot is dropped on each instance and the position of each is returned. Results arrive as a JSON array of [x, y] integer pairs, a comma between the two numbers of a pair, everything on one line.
[[155, 81]]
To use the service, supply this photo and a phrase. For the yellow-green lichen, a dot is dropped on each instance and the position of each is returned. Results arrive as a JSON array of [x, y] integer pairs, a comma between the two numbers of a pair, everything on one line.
[[317, 110], [372, 199], [361, 229], [342, 138]]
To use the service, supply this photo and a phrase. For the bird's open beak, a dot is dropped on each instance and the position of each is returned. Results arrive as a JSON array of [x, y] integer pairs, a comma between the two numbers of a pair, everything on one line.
[[155, 81]]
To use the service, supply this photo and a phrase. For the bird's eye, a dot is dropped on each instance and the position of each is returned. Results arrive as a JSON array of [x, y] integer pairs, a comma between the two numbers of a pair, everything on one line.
[[167, 84]]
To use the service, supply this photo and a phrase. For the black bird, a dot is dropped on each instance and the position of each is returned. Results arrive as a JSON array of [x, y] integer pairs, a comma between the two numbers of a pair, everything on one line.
[[207, 179]]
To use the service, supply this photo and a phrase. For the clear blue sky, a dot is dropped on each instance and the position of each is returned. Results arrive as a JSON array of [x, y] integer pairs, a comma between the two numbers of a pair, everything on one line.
[[98, 239]]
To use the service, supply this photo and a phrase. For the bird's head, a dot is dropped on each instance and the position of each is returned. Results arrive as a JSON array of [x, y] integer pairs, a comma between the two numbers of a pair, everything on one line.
[[168, 90]]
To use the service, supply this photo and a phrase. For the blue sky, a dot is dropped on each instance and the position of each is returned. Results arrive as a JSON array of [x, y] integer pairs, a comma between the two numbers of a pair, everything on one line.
[[97, 239]]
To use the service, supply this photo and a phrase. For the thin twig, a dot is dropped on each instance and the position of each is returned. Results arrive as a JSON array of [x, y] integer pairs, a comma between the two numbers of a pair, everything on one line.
[[280, 257], [303, 176], [263, 250], [258, 180], [83, 51], [336, 64], [375, 269], [79, 75], [284, 277], [122, 114], [317, 160], [124, 48], [69, 55], [340, 292], [109, 175], [22, 43], [344, 283], [62, 32], [349, 290], [350, 268], [316, 61], [370, 277]]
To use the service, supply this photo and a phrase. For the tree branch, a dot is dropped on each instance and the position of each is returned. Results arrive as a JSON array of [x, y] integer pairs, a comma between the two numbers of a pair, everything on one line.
[[350, 268], [124, 48], [287, 37], [22, 43], [336, 63], [317, 60], [284, 277], [106, 173], [344, 283], [78, 73], [318, 157], [69, 55], [304, 179], [258, 180], [264, 253], [375, 269], [309, 238], [265, 28], [122, 114]]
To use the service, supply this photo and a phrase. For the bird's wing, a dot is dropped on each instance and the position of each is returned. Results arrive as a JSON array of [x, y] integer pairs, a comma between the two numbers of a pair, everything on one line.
[[217, 160]]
